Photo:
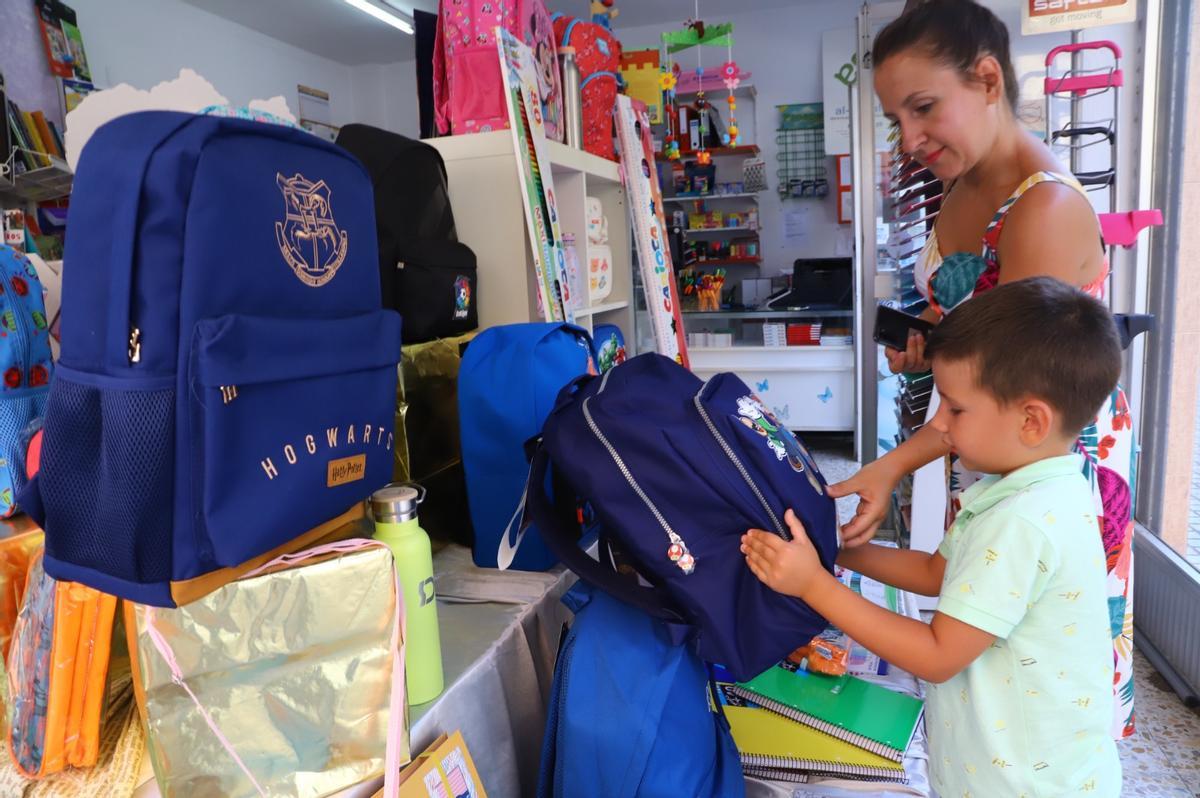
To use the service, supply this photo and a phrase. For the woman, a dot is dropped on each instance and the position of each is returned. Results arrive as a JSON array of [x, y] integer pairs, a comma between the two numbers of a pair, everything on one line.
[[1009, 211]]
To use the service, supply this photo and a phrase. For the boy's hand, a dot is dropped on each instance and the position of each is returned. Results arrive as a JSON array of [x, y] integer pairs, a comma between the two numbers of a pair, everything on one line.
[[788, 568]]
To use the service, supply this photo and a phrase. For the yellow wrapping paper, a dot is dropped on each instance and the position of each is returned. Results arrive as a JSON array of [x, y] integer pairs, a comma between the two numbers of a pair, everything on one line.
[[427, 435], [293, 666]]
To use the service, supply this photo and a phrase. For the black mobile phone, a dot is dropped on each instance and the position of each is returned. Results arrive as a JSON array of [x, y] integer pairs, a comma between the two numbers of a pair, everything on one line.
[[892, 326]]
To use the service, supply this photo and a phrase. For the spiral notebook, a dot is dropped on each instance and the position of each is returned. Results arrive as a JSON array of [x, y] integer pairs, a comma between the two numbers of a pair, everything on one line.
[[871, 717], [777, 748]]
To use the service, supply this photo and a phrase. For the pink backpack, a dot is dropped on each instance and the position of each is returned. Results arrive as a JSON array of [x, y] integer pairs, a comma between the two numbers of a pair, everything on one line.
[[468, 92]]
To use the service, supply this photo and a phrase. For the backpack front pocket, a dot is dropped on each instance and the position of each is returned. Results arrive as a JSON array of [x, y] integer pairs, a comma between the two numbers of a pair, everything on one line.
[[291, 424]]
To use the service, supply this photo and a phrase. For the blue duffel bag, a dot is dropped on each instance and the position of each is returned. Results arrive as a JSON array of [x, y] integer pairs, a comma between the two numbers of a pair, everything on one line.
[[629, 715], [677, 470]]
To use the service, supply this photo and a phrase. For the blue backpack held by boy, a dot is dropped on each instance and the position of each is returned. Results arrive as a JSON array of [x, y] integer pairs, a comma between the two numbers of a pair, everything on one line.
[[629, 715], [677, 469], [227, 379], [507, 384], [25, 364]]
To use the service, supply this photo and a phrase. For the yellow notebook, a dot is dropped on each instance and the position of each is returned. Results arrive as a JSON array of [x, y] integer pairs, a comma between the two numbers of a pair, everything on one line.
[[767, 740]]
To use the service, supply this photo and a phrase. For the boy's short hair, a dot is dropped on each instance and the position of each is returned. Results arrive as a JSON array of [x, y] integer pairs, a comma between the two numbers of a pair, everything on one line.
[[1036, 337]]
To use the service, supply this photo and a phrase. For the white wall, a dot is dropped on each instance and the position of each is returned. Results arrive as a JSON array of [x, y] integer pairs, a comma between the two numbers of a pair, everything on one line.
[[385, 95], [144, 42]]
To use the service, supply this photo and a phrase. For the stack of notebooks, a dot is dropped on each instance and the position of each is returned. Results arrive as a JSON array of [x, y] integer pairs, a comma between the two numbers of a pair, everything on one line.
[[792, 725]]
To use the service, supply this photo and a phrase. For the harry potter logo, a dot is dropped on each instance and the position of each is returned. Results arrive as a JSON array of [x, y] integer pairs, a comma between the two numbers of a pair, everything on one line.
[[308, 236]]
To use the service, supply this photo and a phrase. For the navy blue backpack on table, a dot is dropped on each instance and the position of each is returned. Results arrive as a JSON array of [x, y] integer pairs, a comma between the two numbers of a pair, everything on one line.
[[507, 385], [677, 470], [228, 377], [628, 715]]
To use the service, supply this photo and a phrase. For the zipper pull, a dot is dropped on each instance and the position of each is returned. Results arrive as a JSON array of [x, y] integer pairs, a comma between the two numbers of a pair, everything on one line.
[[228, 393], [135, 345]]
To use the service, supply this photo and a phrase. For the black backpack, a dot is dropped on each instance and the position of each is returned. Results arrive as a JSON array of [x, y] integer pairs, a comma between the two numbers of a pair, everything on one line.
[[425, 272]]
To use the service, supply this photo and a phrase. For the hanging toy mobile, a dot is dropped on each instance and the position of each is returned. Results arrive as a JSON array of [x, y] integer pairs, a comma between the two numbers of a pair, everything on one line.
[[696, 34]]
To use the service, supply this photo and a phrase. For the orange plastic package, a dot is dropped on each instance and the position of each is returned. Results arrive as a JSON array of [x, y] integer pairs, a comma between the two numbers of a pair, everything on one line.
[[20, 539], [821, 656], [57, 669]]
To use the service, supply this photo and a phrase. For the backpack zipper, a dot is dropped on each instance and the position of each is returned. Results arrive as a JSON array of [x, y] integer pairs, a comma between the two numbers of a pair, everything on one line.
[[135, 345], [738, 464], [677, 552]]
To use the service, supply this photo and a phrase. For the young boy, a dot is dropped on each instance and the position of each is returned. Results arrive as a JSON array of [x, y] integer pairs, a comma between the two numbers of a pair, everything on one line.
[[1018, 655]]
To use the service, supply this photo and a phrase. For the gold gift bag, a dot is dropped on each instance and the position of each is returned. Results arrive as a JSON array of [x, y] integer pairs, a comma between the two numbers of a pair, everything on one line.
[[288, 681], [427, 435]]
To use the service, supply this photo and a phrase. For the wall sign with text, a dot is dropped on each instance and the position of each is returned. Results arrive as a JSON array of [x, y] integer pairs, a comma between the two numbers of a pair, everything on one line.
[[1048, 16]]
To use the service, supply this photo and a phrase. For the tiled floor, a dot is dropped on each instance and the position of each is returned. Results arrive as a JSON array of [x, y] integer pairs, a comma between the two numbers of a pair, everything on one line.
[[1162, 759]]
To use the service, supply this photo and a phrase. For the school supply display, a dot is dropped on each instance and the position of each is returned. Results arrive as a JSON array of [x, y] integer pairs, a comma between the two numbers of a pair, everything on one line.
[[874, 718], [258, 712], [677, 470], [775, 745], [597, 55], [553, 282], [57, 671], [225, 356], [443, 770], [509, 379], [467, 85], [396, 525], [425, 272], [25, 365], [629, 715], [650, 230]]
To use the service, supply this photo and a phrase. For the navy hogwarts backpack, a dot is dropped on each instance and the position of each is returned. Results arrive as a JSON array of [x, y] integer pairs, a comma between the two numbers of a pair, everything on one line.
[[228, 377], [677, 469]]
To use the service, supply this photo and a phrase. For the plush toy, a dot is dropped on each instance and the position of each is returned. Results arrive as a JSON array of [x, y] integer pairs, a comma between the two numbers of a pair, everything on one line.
[[603, 12]]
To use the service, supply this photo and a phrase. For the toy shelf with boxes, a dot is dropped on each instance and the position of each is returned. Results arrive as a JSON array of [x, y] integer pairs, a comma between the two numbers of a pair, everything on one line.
[[799, 362], [489, 213]]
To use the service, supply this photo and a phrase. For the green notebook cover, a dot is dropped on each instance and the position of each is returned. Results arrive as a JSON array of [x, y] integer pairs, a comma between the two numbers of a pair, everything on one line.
[[872, 717]]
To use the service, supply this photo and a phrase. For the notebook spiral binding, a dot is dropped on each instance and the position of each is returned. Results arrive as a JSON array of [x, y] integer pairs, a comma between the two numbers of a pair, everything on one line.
[[862, 742], [771, 774], [777, 767]]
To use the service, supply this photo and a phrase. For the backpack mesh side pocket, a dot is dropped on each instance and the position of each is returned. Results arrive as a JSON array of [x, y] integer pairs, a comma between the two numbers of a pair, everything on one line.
[[107, 478]]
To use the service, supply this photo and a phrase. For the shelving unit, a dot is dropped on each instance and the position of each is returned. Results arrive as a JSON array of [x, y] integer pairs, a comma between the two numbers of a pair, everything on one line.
[[35, 185], [726, 262], [743, 150], [730, 231], [750, 195], [492, 223]]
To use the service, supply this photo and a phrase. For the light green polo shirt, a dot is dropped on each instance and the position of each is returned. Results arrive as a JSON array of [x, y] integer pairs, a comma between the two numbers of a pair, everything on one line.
[[1029, 717]]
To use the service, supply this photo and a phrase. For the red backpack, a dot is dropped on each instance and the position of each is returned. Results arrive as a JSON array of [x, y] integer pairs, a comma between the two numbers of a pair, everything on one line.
[[468, 91], [598, 55]]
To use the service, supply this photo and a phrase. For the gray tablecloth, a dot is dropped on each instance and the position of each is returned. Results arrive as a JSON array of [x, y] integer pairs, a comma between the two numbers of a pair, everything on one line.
[[499, 634]]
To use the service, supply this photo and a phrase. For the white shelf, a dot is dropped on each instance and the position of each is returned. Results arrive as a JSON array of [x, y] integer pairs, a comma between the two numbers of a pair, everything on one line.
[[604, 307], [745, 195], [690, 231], [500, 143], [718, 88], [749, 348]]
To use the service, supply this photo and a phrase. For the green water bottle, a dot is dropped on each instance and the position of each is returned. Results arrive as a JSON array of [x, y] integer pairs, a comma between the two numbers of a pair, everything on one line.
[[395, 510]]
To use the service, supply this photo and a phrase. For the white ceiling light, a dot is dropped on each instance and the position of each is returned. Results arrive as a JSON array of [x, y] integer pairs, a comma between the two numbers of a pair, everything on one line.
[[393, 18]]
